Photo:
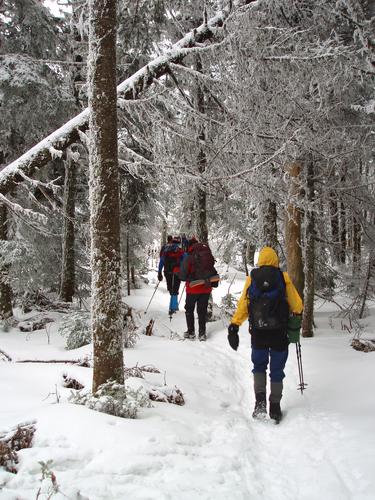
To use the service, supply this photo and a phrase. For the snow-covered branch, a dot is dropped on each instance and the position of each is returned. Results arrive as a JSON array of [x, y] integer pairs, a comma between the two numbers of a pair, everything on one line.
[[72, 131]]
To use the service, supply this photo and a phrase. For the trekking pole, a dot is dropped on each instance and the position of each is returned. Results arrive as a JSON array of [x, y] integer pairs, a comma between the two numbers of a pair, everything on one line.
[[157, 284], [302, 385], [182, 294]]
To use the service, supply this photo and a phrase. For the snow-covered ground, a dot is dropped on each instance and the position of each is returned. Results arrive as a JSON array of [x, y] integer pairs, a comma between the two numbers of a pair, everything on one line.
[[210, 448]]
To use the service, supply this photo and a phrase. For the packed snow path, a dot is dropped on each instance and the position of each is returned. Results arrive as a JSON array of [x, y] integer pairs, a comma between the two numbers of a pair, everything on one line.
[[209, 449]]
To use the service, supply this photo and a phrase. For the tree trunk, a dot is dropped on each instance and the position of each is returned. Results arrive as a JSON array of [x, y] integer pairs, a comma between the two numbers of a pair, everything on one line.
[[268, 224], [68, 258], [6, 310], [335, 230], [251, 254], [127, 262], [202, 229], [164, 230], [308, 312], [356, 231], [342, 251], [104, 196], [293, 231], [244, 258]]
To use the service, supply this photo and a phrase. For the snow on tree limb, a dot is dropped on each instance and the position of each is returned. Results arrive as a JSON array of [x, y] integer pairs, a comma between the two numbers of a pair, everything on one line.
[[73, 131]]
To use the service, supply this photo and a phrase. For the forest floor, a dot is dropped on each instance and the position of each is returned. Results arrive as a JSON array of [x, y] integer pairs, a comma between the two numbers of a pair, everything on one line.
[[210, 448]]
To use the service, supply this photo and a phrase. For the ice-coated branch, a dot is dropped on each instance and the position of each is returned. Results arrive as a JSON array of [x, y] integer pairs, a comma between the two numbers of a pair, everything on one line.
[[73, 131]]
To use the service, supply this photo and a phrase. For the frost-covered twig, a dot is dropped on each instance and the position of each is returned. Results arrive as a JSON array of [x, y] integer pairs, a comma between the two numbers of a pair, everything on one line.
[[6, 356], [23, 212]]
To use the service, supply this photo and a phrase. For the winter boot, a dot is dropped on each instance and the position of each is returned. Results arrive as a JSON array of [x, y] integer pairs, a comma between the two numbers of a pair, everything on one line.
[[189, 335], [275, 398], [260, 382], [202, 336], [275, 412], [260, 409]]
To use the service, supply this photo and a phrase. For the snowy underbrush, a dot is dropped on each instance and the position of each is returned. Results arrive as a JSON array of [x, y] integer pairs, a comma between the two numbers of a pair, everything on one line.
[[76, 330], [114, 399]]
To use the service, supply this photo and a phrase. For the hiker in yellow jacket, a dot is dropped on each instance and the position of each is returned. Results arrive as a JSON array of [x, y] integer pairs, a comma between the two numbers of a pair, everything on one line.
[[267, 301]]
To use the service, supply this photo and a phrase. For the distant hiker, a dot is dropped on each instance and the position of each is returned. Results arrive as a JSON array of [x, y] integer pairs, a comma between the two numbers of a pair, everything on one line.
[[169, 241], [170, 258], [184, 242], [197, 268], [267, 300]]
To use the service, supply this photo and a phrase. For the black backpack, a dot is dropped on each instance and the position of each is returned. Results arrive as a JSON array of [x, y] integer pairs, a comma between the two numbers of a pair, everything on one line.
[[268, 307], [200, 263]]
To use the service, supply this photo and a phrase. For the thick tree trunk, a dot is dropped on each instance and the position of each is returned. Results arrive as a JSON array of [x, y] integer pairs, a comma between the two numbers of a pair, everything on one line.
[[269, 224], [104, 196], [68, 258], [6, 310], [293, 230], [308, 312]]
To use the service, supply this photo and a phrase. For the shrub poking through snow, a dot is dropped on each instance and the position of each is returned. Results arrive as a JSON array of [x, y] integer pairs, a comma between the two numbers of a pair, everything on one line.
[[167, 394], [115, 399], [228, 304], [134, 371], [130, 325], [363, 345], [17, 439], [71, 383], [76, 330]]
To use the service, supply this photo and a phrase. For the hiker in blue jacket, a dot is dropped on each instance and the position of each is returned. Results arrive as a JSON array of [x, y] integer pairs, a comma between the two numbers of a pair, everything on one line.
[[170, 259]]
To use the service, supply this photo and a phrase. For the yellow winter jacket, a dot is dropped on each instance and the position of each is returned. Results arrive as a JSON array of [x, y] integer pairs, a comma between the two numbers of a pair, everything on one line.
[[267, 257]]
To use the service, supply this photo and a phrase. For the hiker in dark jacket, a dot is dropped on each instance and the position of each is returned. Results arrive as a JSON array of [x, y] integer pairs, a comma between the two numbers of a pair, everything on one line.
[[268, 327], [196, 294], [170, 259]]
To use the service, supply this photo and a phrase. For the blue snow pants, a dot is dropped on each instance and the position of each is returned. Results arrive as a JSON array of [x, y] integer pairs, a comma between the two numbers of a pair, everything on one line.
[[277, 360]]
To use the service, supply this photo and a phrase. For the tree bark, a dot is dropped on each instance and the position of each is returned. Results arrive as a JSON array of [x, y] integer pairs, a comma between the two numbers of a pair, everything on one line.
[[269, 224], [104, 196], [164, 230], [202, 229], [250, 254], [343, 243], [308, 312], [293, 230], [6, 310], [67, 286], [244, 258], [356, 251], [335, 231], [127, 261]]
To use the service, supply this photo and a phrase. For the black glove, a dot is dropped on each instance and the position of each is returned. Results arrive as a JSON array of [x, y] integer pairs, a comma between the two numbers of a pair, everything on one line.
[[233, 337], [160, 277]]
